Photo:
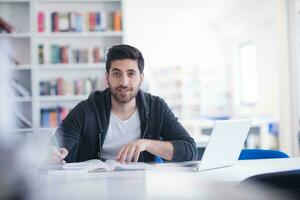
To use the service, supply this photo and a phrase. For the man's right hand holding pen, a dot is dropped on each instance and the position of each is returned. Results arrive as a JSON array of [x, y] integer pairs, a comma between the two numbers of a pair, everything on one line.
[[58, 155]]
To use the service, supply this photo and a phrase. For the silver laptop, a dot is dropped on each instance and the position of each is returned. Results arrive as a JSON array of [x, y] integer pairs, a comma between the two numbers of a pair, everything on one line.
[[224, 146]]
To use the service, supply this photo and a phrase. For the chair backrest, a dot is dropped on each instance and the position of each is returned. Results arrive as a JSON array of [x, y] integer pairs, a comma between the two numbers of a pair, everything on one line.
[[248, 154]]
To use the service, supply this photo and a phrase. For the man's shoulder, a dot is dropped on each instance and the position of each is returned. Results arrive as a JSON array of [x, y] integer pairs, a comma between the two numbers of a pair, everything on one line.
[[151, 97], [155, 101], [90, 100]]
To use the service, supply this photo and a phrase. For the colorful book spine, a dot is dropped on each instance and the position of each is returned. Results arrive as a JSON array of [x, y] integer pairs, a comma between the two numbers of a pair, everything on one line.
[[64, 57], [55, 54], [63, 22], [41, 22], [98, 21], [41, 54], [54, 20], [78, 22], [92, 21], [117, 21]]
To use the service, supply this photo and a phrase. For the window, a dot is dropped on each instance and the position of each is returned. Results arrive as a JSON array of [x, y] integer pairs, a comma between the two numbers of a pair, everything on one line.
[[248, 74]]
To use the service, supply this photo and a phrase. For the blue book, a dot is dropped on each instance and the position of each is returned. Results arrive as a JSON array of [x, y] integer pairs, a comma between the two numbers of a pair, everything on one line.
[[98, 22], [45, 118], [55, 54], [78, 22]]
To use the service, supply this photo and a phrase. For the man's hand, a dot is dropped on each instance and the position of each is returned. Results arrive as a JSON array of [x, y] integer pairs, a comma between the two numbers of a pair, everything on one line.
[[131, 152], [58, 155]]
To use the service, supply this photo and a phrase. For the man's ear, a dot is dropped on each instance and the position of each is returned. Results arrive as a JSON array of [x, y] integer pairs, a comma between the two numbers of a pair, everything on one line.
[[106, 76], [142, 77]]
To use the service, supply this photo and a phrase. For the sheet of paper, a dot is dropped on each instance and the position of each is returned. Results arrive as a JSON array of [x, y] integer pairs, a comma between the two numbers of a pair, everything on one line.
[[88, 165], [132, 165]]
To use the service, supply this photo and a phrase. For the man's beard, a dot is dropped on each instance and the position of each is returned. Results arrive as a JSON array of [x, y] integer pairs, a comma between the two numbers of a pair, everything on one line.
[[123, 99]]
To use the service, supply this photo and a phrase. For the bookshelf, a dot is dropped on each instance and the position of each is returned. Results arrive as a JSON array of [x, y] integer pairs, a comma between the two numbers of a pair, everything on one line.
[[191, 91], [53, 40], [173, 82]]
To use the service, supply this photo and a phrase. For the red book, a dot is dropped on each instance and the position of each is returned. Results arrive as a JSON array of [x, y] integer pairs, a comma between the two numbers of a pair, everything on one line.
[[96, 55], [60, 86], [64, 55], [92, 21], [41, 22]]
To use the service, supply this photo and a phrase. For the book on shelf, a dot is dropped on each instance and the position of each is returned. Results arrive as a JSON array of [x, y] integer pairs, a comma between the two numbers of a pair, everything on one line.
[[63, 22], [52, 117], [41, 21], [41, 54], [96, 165], [55, 54], [54, 22], [117, 21], [20, 89], [5, 26]]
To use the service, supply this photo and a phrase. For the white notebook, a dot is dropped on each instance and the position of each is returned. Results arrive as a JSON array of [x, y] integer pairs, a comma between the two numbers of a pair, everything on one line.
[[108, 165]]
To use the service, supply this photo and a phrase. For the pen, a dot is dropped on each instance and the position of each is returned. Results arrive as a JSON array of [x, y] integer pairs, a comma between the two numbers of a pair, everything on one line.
[[56, 144]]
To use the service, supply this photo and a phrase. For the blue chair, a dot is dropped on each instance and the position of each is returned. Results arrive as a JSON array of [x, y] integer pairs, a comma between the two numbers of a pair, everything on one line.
[[158, 159], [246, 154], [249, 154]]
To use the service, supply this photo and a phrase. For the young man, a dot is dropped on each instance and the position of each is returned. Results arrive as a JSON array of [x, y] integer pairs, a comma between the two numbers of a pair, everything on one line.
[[123, 122]]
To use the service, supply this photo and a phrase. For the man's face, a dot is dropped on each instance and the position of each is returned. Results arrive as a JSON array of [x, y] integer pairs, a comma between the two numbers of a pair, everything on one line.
[[124, 80]]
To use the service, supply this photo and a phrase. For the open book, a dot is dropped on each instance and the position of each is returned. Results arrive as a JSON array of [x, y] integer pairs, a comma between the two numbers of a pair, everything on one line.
[[108, 165]]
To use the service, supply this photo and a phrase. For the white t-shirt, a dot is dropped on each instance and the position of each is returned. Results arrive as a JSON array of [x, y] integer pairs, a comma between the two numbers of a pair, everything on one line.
[[120, 133]]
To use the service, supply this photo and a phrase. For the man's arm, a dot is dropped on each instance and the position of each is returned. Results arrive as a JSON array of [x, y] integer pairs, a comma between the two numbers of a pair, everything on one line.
[[131, 151], [184, 145], [68, 133]]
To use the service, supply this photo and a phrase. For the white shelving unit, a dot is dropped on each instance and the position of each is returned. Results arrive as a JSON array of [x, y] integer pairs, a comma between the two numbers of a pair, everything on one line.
[[173, 82], [193, 91], [23, 45], [17, 46]]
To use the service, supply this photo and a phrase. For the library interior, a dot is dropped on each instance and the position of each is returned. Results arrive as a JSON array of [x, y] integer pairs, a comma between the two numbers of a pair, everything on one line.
[[209, 60]]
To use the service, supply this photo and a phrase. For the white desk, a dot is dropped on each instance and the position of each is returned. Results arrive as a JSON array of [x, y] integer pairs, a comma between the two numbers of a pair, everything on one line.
[[154, 184]]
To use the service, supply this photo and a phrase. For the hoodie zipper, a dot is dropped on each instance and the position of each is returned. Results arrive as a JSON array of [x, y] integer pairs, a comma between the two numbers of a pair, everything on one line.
[[143, 136], [99, 152]]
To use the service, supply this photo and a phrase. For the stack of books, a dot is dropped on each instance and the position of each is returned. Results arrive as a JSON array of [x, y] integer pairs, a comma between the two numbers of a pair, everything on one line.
[[65, 54], [61, 87], [79, 22], [52, 117]]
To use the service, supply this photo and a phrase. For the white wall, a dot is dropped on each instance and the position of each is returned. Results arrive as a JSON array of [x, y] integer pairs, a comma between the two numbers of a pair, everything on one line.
[[179, 33], [206, 33], [254, 21], [171, 32]]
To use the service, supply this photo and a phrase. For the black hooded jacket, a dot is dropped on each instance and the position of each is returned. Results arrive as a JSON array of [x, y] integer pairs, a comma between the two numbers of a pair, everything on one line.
[[83, 131]]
